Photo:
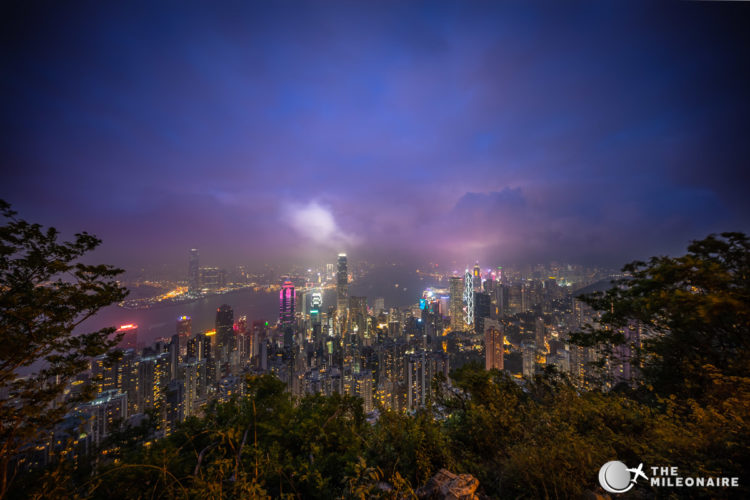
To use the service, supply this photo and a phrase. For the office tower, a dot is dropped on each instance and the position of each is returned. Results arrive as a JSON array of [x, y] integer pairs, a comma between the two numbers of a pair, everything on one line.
[[528, 353], [129, 338], [358, 316], [184, 326], [498, 301], [477, 278], [316, 307], [184, 330], [468, 298], [213, 278], [316, 301], [489, 284], [456, 303], [493, 345], [481, 311], [194, 284], [540, 337], [378, 305], [173, 353], [516, 298], [342, 286], [286, 304], [224, 332], [259, 335]]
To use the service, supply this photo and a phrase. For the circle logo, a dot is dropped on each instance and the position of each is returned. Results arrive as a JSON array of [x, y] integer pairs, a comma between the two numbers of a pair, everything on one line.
[[614, 477]]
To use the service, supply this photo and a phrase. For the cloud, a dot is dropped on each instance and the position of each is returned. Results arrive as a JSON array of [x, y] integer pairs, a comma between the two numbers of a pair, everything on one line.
[[316, 222]]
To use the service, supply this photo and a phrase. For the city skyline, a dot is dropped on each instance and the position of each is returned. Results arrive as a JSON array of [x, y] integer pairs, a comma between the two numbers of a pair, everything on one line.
[[424, 132]]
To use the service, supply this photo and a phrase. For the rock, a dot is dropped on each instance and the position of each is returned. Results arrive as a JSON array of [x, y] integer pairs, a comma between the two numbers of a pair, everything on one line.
[[448, 486]]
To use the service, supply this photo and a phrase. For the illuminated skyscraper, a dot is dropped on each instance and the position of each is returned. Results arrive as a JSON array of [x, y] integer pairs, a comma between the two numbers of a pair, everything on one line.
[[342, 286], [540, 337], [194, 284], [456, 303], [477, 278], [184, 326], [286, 304], [493, 345], [468, 298], [224, 331], [184, 329], [316, 302], [358, 315], [130, 336]]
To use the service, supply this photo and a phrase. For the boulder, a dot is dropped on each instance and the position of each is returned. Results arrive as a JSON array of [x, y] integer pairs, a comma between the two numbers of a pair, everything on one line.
[[448, 486]]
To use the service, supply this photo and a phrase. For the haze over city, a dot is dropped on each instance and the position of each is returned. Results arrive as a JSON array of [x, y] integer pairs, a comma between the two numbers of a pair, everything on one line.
[[446, 132]]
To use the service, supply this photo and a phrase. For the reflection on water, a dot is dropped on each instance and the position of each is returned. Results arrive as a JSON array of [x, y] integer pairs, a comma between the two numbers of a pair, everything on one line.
[[161, 321]]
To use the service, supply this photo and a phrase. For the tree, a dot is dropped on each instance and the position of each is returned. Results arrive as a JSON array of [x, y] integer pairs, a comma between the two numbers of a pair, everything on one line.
[[45, 294], [694, 312]]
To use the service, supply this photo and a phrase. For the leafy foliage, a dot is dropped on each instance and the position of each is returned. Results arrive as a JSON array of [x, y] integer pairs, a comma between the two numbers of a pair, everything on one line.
[[693, 311], [45, 293]]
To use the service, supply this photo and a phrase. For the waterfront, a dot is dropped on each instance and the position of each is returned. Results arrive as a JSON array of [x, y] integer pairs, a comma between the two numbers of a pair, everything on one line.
[[160, 321]]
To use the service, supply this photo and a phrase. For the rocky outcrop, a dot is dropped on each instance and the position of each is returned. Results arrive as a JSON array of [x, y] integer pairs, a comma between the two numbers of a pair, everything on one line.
[[448, 486]]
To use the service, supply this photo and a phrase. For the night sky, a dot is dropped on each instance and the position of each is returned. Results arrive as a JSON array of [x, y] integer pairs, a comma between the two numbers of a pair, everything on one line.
[[285, 131]]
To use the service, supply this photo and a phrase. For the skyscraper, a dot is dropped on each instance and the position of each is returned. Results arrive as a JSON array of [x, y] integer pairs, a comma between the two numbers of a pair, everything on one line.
[[481, 311], [477, 278], [469, 298], [213, 278], [194, 272], [456, 303], [342, 286], [493, 345], [286, 304], [129, 338], [224, 332], [316, 302], [358, 315], [184, 329]]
